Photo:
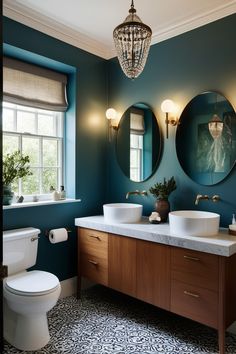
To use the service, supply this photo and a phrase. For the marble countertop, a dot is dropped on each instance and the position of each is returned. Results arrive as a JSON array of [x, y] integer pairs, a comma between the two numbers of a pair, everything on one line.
[[221, 244]]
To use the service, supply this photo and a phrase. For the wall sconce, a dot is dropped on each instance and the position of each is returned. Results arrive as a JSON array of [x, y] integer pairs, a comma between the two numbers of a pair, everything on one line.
[[113, 118], [168, 107]]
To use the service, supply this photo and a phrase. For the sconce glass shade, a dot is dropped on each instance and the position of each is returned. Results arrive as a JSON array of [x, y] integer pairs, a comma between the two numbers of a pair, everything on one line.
[[168, 106], [215, 126], [111, 113], [132, 41]]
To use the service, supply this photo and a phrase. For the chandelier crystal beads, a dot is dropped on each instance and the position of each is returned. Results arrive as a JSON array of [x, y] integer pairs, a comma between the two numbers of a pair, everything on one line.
[[132, 41]]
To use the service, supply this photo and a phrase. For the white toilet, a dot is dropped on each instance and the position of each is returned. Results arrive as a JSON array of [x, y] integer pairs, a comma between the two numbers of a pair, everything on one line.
[[27, 296]]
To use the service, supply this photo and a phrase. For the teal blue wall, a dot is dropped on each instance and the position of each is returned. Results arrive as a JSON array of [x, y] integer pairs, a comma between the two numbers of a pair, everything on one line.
[[87, 130], [179, 68]]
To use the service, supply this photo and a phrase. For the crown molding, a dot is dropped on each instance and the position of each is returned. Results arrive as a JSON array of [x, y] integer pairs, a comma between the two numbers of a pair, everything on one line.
[[45, 24], [191, 23], [57, 30]]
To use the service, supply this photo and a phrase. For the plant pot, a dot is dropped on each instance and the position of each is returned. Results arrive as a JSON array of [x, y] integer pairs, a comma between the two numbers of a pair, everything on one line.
[[163, 208], [7, 195]]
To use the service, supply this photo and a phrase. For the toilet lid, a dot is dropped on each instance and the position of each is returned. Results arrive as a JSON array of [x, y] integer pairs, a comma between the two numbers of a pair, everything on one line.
[[35, 282]]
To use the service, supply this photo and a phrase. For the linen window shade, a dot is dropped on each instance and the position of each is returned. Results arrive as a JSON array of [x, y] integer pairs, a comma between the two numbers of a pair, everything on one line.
[[137, 122], [30, 85]]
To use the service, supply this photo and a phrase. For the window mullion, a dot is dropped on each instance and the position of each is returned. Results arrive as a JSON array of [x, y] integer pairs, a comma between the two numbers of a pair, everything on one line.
[[20, 181], [41, 165]]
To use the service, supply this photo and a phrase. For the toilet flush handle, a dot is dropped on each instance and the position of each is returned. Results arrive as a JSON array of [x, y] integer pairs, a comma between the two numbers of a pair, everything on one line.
[[34, 238]]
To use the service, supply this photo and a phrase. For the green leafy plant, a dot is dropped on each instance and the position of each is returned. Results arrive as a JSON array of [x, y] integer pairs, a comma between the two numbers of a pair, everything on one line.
[[15, 166], [163, 190]]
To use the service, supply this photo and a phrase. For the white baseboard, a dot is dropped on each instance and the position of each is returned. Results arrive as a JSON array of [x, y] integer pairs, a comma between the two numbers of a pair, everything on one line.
[[69, 286]]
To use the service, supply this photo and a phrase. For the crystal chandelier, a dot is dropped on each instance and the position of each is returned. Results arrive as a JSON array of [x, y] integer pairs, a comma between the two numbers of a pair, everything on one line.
[[215, 126], [132, 41]]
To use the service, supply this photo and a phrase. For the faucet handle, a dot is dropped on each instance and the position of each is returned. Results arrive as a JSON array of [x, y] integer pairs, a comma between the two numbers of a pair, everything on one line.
[[215, 198]]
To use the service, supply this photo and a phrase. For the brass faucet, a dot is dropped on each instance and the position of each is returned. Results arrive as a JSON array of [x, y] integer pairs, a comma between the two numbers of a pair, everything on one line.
[[199, 197], [136, 192]]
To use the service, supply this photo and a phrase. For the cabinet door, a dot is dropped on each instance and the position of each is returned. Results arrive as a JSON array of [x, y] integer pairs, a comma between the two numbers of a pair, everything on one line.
[[122, 264], [153, 273]]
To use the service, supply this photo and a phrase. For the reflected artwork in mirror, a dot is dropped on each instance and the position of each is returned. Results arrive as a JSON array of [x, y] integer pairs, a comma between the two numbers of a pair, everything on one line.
[[206, 138], [138, 144]]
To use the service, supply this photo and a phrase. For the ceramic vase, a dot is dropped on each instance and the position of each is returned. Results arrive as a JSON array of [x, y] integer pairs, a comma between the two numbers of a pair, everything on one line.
[[7, 195], [163, 208]]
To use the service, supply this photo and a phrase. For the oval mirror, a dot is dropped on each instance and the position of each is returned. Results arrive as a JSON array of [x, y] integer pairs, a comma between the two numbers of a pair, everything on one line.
[[206, 138], [138, 143]]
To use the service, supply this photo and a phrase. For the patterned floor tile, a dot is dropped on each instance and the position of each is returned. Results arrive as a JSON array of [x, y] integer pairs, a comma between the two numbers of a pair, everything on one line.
[[107, 322]]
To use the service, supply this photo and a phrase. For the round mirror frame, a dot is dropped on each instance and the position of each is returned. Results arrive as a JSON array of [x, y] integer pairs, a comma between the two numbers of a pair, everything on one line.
[[151, 134], [206, 138]]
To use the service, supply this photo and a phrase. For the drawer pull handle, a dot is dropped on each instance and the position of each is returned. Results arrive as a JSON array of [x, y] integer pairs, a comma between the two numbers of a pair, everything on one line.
[[93, 262], [97, 237], [192, 258], [190, 294]]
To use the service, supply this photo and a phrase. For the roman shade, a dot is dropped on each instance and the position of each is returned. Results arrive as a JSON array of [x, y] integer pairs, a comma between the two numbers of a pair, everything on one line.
[[31, 85], [137, 122]]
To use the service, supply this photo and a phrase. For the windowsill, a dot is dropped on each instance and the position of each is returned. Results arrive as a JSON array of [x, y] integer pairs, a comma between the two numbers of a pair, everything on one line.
[[43, 202]]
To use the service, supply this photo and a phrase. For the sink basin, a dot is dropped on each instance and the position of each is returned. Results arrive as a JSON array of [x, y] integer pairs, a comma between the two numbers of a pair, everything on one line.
[[122, 212], [193, 223]]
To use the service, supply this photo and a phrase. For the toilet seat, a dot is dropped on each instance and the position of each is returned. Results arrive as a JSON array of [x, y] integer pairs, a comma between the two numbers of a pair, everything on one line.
[[32, 283]]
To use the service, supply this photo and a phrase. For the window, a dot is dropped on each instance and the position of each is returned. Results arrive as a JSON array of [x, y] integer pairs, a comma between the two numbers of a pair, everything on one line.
[[39, 134], [34, 99], [136, 157], [137, 131]]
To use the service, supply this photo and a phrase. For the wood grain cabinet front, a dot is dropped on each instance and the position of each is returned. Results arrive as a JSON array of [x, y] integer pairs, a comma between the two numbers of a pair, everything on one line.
[[153, 273], [195, 285], [93, 255], [122, 264]]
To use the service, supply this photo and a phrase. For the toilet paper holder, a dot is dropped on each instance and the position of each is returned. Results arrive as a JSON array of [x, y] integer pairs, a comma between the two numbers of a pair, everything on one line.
[[48, 231]]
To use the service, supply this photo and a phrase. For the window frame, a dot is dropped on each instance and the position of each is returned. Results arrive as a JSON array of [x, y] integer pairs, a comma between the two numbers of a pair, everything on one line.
[[59, 137], [139, 150]]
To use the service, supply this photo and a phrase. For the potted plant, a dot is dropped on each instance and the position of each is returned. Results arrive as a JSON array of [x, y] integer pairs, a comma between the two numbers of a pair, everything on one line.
[[161, 192], [15, 166]]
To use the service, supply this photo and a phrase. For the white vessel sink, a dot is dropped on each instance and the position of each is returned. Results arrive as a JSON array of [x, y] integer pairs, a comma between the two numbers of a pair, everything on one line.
[[122, 212], [193, 223]]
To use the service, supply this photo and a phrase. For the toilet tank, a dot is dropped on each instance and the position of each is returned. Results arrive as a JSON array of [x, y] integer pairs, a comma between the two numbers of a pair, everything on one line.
[[20, 248]]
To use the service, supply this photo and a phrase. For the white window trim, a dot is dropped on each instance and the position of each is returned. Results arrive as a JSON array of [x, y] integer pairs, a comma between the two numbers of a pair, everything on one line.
[[60, 139]]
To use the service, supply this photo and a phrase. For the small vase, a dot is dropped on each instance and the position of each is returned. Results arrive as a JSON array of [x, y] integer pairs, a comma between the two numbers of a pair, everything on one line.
[[7, 195], [163, 208]]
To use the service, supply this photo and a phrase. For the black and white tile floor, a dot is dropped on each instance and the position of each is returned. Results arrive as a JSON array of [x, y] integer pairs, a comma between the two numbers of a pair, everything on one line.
[[107, 322]]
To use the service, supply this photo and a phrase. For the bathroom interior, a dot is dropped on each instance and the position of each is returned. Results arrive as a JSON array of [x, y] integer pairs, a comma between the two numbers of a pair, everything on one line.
[[194, 67]]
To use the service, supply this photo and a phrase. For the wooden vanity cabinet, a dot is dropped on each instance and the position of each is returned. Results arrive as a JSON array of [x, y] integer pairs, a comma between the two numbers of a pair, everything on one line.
[[197, 285], [153, 273], [122, 264]]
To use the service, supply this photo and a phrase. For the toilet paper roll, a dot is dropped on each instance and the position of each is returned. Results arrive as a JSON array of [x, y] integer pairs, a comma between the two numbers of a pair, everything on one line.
[[58, 235]]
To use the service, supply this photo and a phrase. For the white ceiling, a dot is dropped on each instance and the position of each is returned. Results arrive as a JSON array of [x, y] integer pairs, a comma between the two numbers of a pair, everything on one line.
[[88, 24]]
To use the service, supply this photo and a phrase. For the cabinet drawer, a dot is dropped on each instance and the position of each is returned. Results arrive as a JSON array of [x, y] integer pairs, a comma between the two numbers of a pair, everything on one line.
[[93, 242], [94, 268], [195, 303], [196, 268]]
